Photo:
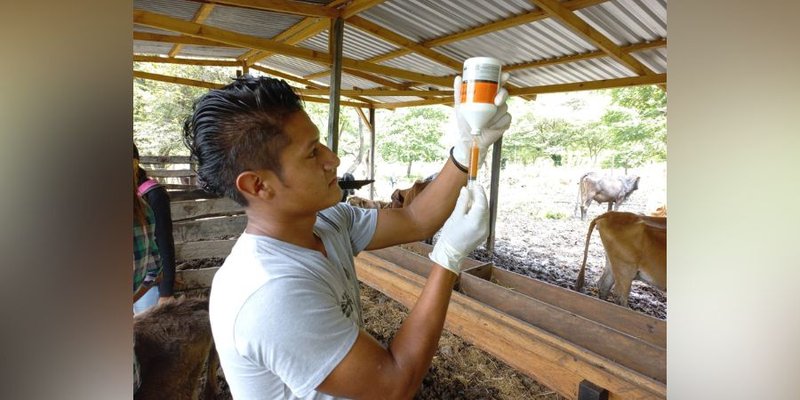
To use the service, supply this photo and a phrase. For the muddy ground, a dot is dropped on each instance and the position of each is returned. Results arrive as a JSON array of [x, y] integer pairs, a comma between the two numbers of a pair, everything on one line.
[[537, 235]]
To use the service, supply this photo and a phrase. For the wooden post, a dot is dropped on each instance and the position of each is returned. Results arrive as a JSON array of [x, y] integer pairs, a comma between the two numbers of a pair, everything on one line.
[[335, 41], [493, 195], [372, 152]]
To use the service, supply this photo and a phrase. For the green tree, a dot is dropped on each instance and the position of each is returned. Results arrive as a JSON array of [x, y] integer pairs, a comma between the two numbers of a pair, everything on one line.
[[159, 108], [637, 122], [413, 135], [592, 137], [352, 141]]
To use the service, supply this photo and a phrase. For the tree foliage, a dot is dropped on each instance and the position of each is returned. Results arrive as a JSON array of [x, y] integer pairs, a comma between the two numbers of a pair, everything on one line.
[[413, 135], [159, 108], [637, 123]]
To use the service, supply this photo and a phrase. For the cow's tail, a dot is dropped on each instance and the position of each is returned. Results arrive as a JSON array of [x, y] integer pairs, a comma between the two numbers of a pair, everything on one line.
[[579, 282]]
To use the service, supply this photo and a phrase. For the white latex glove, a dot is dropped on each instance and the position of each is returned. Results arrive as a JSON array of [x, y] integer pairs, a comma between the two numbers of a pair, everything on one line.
[[467, 227], [490, 133]]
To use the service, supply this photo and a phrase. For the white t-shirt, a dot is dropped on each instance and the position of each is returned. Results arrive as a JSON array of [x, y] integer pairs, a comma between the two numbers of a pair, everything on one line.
[[284, 316]]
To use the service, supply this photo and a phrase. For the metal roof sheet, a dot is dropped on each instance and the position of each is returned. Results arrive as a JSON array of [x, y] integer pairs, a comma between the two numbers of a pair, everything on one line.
[[541, 47]]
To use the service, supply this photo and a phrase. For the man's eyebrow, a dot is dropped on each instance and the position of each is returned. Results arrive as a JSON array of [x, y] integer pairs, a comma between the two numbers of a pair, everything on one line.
[[312, 143]]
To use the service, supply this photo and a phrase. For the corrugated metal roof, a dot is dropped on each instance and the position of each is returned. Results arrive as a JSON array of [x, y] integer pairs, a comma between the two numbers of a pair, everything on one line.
[[181, 9], [544, 50], [259, 23], [357, 44], [422, 20]]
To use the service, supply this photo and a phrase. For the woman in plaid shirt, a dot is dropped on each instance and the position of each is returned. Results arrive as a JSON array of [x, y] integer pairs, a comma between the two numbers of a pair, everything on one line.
[[146, 261]]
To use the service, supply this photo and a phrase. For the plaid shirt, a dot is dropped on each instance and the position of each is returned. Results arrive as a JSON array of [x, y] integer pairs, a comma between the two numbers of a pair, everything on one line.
[[146, 261]]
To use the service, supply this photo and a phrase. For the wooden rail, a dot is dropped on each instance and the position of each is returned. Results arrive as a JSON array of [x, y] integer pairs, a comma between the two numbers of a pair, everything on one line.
[[557, 347]]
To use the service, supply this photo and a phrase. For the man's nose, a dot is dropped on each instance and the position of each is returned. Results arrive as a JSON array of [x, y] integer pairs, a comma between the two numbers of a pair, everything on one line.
[[332, 160]]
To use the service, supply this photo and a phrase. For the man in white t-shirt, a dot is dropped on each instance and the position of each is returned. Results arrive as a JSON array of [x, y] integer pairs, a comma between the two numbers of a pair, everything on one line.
[[285, 309]]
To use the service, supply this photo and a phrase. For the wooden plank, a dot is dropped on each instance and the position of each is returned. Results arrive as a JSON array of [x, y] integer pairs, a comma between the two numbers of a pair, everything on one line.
[[645, 327], [169, 173], [208, 229], [190, 279], [164, 160], [175, 79], [413, 261], [638, 355], [547, 358], [188, 209], [204, 249], [581, 329], [179, 187], [191, 194], [623, 319]]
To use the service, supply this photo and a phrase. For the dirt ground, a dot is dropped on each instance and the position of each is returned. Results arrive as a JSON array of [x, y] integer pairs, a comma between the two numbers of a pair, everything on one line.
[[537, 235]]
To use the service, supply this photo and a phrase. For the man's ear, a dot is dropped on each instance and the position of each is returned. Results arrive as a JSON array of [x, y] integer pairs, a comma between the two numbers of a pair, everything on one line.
[[251, 184]]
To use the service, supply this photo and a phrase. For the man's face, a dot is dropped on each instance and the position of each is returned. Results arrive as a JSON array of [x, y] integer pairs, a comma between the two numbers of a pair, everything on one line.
[[309, 168]]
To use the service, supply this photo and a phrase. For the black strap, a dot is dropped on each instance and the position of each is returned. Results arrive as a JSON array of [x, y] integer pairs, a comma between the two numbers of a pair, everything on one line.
[[456, 163]]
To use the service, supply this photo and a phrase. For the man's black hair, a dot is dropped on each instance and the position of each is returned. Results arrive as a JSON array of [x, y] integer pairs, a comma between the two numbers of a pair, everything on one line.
[[239, 128]]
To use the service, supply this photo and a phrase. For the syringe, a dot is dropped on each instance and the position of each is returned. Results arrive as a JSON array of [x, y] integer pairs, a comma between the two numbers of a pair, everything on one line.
[[472, 175]]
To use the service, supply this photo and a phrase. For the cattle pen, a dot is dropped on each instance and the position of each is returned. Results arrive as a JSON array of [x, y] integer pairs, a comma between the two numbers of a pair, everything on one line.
[[565, 340]]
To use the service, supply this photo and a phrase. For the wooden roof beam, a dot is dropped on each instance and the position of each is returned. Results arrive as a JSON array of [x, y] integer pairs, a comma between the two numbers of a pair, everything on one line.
[[576, 24], [401, 41], [280, 6], [181, 39], [306, 82], [185, 61], [200, 16], [383, 92], [175, 79], [657, 79], [300, 31], [212, 85], [357, 6], [289, 77], [234, 38], [584, 56], [310, 27]]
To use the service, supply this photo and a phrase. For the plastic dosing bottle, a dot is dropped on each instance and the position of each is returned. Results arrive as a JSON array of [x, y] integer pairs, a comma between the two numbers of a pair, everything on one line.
[[480, 81]]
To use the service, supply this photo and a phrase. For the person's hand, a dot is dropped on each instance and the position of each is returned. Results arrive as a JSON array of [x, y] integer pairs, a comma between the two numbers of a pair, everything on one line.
[[466, 228], [490, 133]]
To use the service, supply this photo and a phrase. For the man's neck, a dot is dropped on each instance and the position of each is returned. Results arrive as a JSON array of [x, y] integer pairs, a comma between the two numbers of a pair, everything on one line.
[[297, 230]]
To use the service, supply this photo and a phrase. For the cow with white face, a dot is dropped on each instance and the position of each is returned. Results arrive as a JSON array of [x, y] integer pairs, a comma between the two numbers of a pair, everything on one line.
[[636, 248], [604, 189]]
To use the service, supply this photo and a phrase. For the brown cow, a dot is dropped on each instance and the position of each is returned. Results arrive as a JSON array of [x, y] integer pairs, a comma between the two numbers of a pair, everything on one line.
[[173, 345], [361, 202], [604, 189], [403, 197], [636, 248]]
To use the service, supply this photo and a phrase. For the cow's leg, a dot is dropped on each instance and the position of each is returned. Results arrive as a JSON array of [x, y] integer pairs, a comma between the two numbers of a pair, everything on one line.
[[623, 277], [612, 203], [585, 206], [606, 280]]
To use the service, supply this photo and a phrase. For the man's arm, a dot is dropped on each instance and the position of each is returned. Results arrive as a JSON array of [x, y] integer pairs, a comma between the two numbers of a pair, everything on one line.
[[370, 371], [159, 201], [424, 216]]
